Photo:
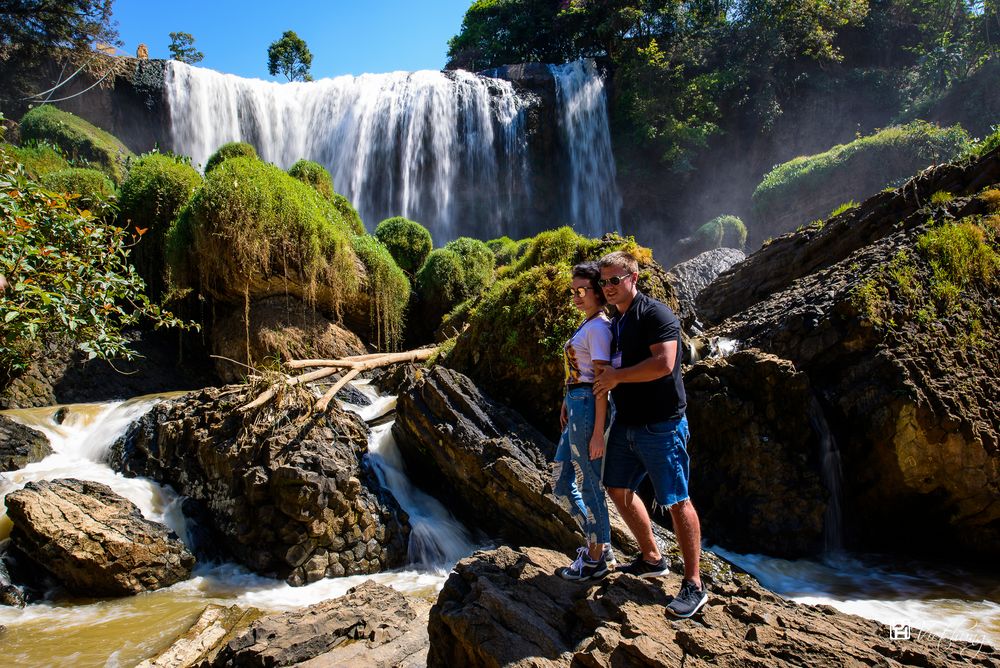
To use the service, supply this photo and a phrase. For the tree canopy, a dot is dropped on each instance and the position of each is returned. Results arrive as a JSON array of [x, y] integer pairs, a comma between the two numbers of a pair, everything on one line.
[[290, 56], [182, 48]]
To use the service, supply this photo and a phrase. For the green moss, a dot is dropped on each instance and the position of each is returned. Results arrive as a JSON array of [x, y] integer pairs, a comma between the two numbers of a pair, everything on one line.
[[565, 246], [234, 149], [874, 160], [871, 299], [959, 254], [251, 222], [38, 159], [408, 242], [941, 197], [722, 232], [991, 198], [315, 175], [78, 139], [477, 263], [348, 213], [153, 193], [846, 206], [388, 291], [93, 187], [504, 249]]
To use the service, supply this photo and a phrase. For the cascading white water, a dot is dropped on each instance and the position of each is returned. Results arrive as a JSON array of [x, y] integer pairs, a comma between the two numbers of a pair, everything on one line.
[[595, 204], [446, 149]]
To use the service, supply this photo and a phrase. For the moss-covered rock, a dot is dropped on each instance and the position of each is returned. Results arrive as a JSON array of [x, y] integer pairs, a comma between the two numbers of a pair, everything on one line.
[[252, 231], [450, 275], [93, 187], [153, 193], [409, 242], [388, 291], [721, 232], [504, 249], [37, 160], [348, 213], [234, 149], [78, 139], [808, 187], [315, 175]]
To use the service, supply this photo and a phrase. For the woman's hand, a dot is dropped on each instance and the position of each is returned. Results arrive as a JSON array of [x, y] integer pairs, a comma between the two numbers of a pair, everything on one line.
[[563, 416], [597, 444]]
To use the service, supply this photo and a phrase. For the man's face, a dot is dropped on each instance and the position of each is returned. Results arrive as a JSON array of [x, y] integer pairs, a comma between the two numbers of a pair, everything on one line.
[[617, 294]]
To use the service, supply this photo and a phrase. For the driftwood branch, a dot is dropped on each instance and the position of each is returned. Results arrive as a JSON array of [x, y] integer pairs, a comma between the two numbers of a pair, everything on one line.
[[348, 366]]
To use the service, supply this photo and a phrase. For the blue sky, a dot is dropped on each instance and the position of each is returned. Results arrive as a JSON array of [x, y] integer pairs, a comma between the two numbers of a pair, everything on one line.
[[345, 36]]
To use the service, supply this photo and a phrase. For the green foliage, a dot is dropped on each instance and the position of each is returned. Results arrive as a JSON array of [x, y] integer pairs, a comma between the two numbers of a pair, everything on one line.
[[78, 139], [92, 186], [315, 175], [722, 232], [388, 291], [37, 159], [504, 249], [233, 149], [250, 222], [153, 193], [477, 263], [985, 145], [290, 56], [182, 48], [892, 153], [941, 197], [348, 213], [408, 242], [959, 254], [68, 274], [846, 206], [871, 298]]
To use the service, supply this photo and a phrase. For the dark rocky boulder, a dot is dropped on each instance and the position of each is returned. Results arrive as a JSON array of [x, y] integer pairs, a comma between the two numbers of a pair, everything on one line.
[[690, 277], [908, 383], [10, 594], [506, 607], [757, 447], [290, 491], [20, 445], [93, 541]]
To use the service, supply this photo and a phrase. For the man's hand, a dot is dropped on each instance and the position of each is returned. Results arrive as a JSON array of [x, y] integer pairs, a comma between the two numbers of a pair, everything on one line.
[[597, 445], [563, 416], [607, 380]]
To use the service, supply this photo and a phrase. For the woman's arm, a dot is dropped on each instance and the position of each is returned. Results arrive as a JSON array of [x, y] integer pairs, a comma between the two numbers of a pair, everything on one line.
[[600, 413]]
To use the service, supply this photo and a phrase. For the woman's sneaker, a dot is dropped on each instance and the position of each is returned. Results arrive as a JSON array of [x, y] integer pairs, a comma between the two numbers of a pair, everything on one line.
[[688, 600], [609, 556], [643, 569], [583, 569]]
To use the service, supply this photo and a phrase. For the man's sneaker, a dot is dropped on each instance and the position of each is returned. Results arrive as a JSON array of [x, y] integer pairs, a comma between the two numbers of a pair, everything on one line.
[[688, 600], [583, 569], [643, 569]]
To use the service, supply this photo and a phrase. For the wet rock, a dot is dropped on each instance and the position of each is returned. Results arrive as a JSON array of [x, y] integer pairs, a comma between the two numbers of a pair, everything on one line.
[[20, 445], [506, 607], [287, 489], [200, 645], [93, 541], [758, 438], [9, 593], [690, 277], [280, 328]]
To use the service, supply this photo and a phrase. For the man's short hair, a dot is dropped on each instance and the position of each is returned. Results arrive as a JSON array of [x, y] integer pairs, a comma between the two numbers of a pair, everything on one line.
[[620, 260]]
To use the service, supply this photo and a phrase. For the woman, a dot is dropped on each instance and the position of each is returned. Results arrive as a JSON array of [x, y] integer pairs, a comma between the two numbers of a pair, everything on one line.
[[581, 447]]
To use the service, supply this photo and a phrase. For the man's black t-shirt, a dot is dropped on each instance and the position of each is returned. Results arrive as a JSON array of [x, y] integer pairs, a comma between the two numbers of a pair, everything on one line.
[[647, 322]]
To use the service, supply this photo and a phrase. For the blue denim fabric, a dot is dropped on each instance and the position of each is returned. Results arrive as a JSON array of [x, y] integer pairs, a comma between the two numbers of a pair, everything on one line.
[[586, 501], [658, 450]]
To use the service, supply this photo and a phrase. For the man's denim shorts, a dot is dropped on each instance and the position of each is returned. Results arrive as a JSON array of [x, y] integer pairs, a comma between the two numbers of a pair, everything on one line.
[[659, 450]]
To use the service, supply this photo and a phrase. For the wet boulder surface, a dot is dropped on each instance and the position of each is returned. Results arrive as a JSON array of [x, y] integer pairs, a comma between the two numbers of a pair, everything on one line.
[[289, 493], [20, 445]]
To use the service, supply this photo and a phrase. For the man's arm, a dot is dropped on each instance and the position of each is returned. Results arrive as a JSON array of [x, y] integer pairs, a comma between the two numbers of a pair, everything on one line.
[[659, 365]]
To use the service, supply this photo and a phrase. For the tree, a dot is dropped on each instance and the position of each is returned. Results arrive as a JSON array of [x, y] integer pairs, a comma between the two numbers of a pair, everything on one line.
[[290, 56], [182, 48]]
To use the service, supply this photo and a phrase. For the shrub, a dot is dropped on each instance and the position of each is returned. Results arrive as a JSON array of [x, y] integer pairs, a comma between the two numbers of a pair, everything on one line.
[[153, 193], [722, 232], [234, 149], [477, 263], [92, 186], [78, 139], [959, 254], [68, 274], [441, 286], [504, 249], [252, 227], [348, 213], [407, 241], [941, 197], [388, 291], [315, 175], [565, 246], [38, 159]]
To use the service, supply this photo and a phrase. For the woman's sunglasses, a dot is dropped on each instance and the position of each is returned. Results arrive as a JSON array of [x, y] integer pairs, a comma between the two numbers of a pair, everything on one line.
[[580, 292], [614, 280]]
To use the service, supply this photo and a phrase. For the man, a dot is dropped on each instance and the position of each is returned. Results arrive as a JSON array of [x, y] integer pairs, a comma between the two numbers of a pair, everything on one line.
[[649, 433]]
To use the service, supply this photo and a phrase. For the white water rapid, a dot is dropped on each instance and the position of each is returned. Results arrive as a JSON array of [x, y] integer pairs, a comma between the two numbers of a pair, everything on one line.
[[447, 149], [122, 632]]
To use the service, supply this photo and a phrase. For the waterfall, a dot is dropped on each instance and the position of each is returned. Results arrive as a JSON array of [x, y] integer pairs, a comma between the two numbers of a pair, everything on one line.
[[594, 202], [447, 149]]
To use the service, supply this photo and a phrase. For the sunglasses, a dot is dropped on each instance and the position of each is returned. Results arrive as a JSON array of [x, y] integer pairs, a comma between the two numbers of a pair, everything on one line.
[[580, 292], [614, 280]]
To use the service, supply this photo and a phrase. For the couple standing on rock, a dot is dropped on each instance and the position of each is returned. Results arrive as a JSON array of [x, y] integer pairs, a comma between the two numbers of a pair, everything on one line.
[[636, 356]]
